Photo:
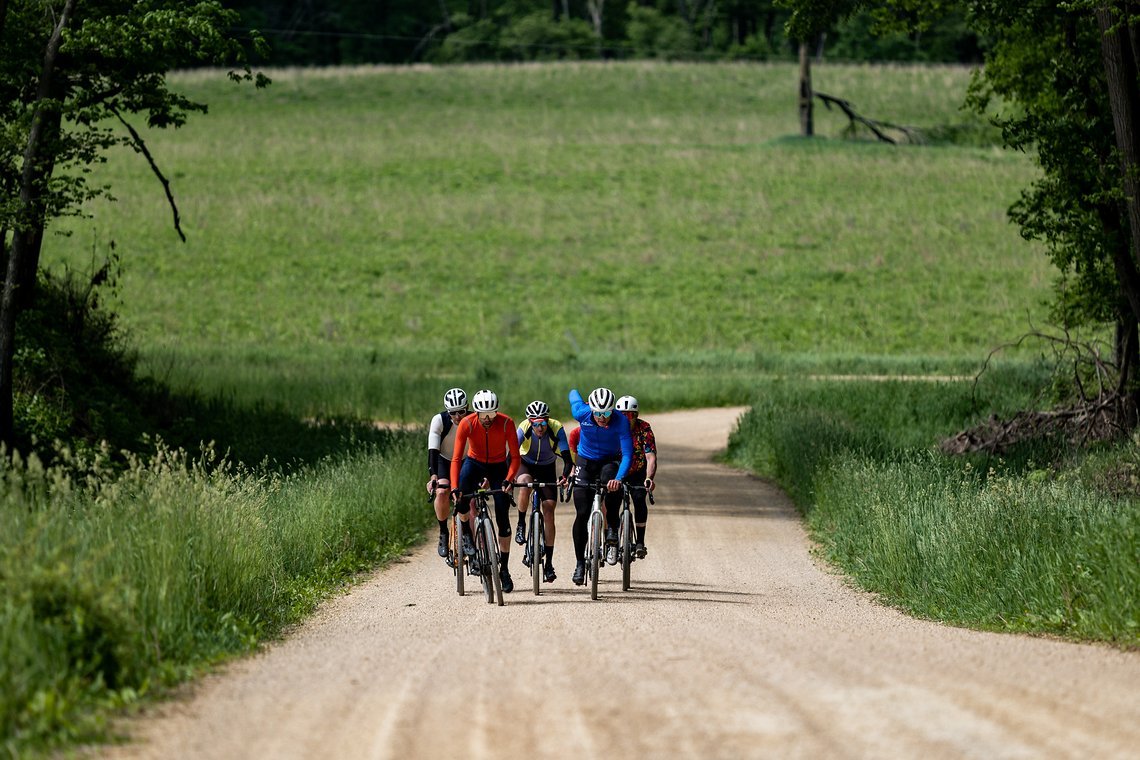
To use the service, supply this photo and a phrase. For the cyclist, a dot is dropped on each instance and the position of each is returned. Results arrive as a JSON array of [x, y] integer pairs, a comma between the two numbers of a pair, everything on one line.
[[441, 438], [488, 440], [643, 469], [605, 451], [541, 441]]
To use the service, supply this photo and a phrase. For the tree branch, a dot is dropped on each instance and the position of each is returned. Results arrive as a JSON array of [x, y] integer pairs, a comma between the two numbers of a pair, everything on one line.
[[140, 146], [871, 124]]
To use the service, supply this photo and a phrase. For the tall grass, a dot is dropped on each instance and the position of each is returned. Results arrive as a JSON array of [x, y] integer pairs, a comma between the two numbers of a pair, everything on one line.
[[1003, 552], [113, 585], [1000, 544]]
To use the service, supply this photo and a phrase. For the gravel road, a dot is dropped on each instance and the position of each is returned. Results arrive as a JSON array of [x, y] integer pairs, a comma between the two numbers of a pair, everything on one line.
[[734, 642]]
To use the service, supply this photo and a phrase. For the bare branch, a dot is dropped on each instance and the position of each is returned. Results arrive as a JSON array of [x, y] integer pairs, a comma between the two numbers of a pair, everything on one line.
[[877, 127], [140, 146], [1109, 414]]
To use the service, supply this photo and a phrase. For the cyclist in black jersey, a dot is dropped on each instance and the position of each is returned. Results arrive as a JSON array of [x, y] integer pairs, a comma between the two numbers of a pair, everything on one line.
[[441, 441], [542, 440]]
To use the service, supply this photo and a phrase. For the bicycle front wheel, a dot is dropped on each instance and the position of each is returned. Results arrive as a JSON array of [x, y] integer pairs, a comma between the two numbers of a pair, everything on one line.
[[593, 562], [536, 550], [495, 589], [460, 566], [483, 557]]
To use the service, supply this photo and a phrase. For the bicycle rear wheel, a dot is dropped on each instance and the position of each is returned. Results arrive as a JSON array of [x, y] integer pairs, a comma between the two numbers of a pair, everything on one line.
[[593, 561], [495, 590], [536, 550], [626, 547]]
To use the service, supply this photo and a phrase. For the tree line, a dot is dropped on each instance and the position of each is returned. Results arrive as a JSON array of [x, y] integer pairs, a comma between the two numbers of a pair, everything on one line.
[[336, 32]]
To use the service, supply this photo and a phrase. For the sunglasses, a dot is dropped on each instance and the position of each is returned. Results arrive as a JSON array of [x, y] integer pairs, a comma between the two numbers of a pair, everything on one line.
[[459, 413], [604, 415], [484, 416], [539, 423]]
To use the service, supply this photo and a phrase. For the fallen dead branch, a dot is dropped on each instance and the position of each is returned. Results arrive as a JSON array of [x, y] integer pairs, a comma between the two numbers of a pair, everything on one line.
[[1102, 410]]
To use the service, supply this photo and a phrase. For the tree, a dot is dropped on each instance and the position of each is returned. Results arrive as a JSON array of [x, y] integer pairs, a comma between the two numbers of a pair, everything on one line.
[[1068, 76], [71, 73], [1066, 66]]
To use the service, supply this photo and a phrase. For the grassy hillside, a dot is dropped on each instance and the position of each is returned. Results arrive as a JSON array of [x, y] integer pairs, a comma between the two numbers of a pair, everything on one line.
[[358, 236]]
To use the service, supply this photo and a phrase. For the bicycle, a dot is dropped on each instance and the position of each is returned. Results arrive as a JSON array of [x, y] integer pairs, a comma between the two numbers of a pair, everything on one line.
[[627, 531], [486, 563], [456, 558], [595, 534], [534, 550]]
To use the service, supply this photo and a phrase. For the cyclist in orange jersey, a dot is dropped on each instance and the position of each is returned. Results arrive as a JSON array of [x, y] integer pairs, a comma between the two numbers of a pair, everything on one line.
[[486, 452]]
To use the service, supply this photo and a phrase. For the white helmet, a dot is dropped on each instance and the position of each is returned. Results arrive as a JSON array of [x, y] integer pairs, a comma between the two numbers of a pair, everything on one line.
[[536, 409], [455, 400], [485, 401], [601, 400], [626, 404]]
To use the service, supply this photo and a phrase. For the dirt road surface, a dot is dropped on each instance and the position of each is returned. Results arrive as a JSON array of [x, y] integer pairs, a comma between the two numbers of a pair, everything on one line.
[[734, 643]]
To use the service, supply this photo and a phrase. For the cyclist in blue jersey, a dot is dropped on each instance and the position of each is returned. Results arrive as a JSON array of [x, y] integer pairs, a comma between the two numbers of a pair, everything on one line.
[[605, 453]]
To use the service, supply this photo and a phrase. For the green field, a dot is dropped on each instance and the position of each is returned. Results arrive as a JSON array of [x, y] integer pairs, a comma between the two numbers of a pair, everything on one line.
[[360, 239]]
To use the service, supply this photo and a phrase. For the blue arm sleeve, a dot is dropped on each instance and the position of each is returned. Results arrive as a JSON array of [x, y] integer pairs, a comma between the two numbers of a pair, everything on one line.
[[560, 443], [626, 439], [579, 408]]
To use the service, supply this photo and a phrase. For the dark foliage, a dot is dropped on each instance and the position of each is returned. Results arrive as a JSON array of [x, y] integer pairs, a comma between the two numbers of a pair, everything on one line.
[[77, 385], [337, 32]]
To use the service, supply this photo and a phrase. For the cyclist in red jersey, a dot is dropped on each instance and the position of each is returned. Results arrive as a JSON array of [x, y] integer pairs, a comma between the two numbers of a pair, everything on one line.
[[644, 467], [487, 439], [572, 441]]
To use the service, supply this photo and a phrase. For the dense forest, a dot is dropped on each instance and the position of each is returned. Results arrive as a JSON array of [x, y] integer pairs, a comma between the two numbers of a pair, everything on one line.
[[332, 32]]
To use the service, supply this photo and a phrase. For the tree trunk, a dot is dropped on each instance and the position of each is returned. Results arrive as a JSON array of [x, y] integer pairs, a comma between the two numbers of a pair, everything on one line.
[[24, 254], [1121, 72], [596, 9], [807, 127]]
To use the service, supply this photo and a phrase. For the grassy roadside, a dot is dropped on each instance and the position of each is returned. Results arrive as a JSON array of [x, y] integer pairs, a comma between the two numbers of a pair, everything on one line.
[[1028, 543], [116, 585]]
